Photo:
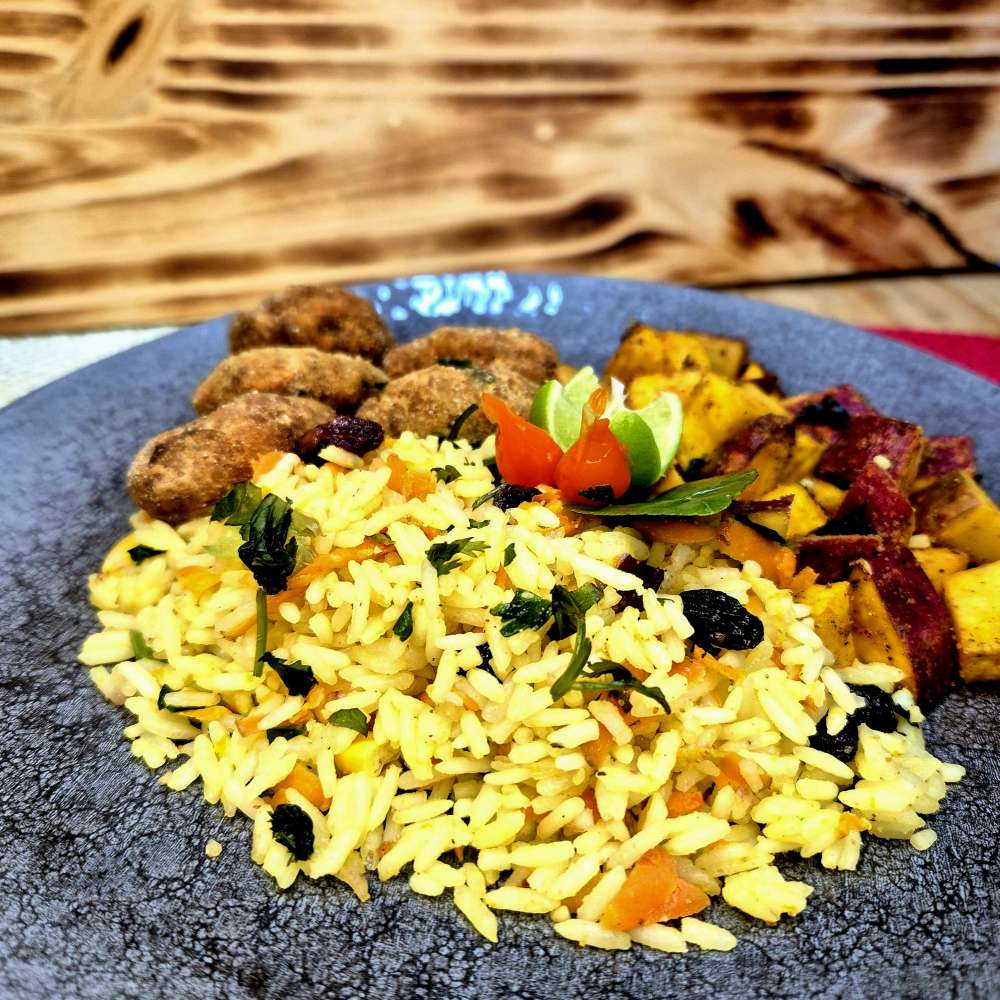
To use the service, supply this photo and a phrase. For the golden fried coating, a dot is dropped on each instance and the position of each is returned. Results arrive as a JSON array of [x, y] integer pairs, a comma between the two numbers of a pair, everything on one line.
[[527, 353], [428, 400], [321, 316], [180, 473], [341, 381]]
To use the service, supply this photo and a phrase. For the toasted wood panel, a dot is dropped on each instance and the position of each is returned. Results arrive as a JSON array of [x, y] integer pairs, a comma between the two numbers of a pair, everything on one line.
[[162, 161]]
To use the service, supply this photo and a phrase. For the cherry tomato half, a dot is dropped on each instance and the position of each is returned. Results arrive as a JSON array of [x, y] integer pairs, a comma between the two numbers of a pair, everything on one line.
[[526, 455], [596, 459]]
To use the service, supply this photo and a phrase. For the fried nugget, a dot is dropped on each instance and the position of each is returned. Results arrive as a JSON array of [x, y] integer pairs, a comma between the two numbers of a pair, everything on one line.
[[527, 353], [341, 381], [180, 473], [322, 316], [428, 400]]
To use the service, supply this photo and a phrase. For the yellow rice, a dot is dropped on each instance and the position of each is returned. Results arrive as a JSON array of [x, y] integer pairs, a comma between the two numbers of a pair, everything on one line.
[[460, 760]]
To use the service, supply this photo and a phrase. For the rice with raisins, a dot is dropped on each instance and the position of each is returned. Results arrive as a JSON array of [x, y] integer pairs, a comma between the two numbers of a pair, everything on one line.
[[471, 778]]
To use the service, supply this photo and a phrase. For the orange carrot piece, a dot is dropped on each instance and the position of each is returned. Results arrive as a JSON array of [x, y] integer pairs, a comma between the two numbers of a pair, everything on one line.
[[597, 751], [648, 889], [676, 530], [197, 579], [777, 562], [681, 803], [306, 783], [409, 482], [730, 773], [685, 901]]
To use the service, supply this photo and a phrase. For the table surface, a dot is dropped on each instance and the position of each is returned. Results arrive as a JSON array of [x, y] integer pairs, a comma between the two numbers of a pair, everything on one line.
[[962, 303]]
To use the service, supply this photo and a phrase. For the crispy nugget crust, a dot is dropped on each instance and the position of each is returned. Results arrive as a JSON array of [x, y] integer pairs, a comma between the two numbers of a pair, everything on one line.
[[322, 316], [427, 401], [180, 473], [340, 381], [527, 353]]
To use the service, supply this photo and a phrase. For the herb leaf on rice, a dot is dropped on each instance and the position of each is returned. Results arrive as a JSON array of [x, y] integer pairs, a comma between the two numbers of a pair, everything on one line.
[[350, 718], [523, 611], [443, 555], [295, 675]]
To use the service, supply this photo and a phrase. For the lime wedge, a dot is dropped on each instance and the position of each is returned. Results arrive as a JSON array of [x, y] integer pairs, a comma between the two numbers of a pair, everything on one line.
[[569, 406], [650, 436], [543, 406]]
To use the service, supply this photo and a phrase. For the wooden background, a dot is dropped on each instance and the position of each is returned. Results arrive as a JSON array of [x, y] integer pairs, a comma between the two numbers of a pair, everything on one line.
[[166, 160]]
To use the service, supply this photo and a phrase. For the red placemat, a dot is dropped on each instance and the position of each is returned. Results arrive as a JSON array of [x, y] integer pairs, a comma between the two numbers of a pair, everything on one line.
[[978, 352]]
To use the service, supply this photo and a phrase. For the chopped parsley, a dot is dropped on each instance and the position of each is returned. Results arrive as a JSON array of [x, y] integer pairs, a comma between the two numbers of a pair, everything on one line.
[[267, 551], [569, 607], [140, 553], [477, 524], [292, 828], [447, 474], [288, 732], [508, 554], [523, 611], [295, 675], [140, 650], [443, 556], [350, 718], [403, 628], [581, 653], [161, 700], [238, 505], [621, 679]]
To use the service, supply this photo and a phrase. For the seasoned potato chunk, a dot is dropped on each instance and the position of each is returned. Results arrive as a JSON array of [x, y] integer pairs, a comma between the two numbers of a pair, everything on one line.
[[831, 610], [645, 351], [802, 518], [971, 596], [939, 564], [828, 496], [643, 389], [957, 512], [726, 355], [807, 450]]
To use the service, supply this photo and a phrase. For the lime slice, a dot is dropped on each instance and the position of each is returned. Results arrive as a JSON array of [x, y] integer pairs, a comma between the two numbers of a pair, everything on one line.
[[569, 407], [543, 406], [650, 436]]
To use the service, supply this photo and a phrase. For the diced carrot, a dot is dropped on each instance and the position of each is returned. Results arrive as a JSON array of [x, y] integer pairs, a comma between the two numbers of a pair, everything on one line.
[[263, 464], [197, 579], [590, 799], [849, 823], [691, 668], [597, 751], [306, 783], [648, 888], [409, 482], [685, 901], [730, 774], [676, 530], [711, 663], [575, 902], [681, 803], [777, 562], [572, 523], [804, 578], [334, 468], [502, 580]]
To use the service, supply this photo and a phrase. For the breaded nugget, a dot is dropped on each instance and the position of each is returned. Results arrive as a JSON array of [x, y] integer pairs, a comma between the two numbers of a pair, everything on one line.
[[527, 353], [428, 400], [321, 316], [341, 381], [180, 473]]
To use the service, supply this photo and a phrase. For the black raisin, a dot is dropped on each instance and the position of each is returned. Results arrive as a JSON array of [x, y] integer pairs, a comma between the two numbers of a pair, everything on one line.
[[878, 712], [293, 828], [508, 496], [842, 745], [354, 434], [720, 621], [651, 579], [826, 413]]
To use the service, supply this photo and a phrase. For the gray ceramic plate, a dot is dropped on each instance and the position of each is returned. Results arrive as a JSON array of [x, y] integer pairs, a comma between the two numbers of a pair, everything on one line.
[[107, 892]]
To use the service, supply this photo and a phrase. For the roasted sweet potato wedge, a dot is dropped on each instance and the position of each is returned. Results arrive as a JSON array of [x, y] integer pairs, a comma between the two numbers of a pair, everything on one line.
[[831, 556], [802, 516], [944, 454], [874, 504], [831, 610], [764, 445], [971, 597], [828, 496], [956, 512], [900, 619], [823, 408], [896, 444]]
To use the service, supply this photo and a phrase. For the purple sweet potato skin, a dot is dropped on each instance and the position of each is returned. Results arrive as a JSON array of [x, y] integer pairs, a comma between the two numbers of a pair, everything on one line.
[[739, 450], [870, 435], [846, 395], [946, 453], [876, 495], [831, 555], [920, 616]]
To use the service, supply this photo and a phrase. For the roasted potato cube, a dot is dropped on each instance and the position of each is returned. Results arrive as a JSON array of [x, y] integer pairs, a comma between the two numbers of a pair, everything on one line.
[[971, 596], [944, 454], [804, 515], [956, 512], [875, 503], [726, 355], [643, 389], [828, 496], [831, 610], [645, 351], [900, 619], [806, 452], [940, 563], [871, 438], [717, 409]]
